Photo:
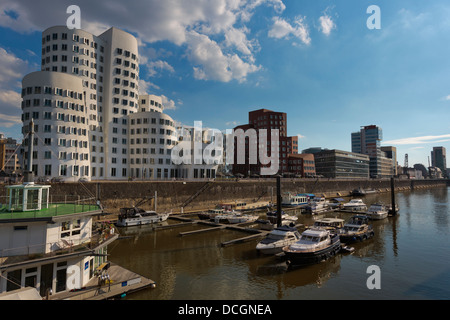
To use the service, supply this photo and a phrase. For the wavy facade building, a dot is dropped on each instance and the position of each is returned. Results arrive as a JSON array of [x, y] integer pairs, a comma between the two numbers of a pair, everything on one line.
[[89, 119]]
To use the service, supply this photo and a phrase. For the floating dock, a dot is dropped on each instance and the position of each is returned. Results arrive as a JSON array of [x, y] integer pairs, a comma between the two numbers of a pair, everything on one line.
[[123, 282]]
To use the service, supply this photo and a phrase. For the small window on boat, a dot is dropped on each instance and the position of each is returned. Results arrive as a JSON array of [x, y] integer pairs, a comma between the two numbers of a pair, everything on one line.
[[20, 228]]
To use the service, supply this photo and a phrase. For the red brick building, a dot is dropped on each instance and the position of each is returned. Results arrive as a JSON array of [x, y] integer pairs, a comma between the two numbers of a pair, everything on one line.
[[269, 120], [302, 165]]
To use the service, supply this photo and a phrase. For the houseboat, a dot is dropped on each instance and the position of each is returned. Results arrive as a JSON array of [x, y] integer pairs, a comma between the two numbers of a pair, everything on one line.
[[314, 246], [42, 244], [296, 200]]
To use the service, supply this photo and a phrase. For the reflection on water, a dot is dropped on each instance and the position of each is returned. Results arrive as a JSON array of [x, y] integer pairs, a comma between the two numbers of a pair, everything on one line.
[[410, 249]]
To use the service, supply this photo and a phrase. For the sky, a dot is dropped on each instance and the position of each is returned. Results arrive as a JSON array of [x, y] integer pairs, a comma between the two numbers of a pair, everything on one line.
[[216, 60]]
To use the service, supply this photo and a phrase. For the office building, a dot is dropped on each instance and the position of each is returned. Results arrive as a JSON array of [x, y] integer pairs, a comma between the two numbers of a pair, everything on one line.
[[341, 164], [367, 141], [9, 161], [439, 159], [266, 120], [302, 165], [391, 153]]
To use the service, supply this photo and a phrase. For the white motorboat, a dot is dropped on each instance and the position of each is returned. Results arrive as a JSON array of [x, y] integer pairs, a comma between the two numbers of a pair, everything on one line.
[[280, 237], [356, 229], [378, 211], [317, 205], [314, 246], [272, 216], [237, 217], [355, 205], [135, 217]]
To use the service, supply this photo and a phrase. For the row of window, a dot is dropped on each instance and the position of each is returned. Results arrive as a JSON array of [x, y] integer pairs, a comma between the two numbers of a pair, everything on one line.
[[52, 91], [153, 121], [75, 38], [153, 131], [168, 142]]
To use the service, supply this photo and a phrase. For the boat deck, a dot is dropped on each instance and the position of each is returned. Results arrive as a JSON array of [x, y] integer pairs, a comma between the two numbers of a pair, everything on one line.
[[123, 282]]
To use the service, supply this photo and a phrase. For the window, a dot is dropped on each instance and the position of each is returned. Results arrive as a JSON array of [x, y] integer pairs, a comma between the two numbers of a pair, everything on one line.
[[70, 228]]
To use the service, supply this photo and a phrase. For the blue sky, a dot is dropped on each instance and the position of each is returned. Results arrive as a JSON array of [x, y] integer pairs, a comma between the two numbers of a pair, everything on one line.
[[216, 60]]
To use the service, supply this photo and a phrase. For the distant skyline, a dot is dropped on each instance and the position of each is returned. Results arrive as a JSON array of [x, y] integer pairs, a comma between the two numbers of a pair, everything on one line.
[[216, 60]]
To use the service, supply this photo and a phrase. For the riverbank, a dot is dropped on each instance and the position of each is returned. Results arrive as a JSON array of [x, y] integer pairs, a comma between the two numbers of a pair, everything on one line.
[[204, 194]]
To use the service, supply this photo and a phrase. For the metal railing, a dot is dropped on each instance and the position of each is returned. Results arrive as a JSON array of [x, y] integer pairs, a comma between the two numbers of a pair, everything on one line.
[[62, 246]]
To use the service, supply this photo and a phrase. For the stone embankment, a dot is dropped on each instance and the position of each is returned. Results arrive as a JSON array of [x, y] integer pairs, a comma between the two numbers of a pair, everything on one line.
[[198, 195]]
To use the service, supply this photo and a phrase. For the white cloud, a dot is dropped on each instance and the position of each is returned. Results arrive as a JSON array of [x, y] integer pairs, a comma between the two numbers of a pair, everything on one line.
[[326, 24], [168, 104], [300, 136], [159, 65], [12, 70], [419, 140], [211, 63], [146, 86], [223, 22], [281, 29]]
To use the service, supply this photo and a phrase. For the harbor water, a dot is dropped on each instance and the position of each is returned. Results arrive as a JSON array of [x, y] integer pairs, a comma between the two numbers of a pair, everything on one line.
[[411, 251]]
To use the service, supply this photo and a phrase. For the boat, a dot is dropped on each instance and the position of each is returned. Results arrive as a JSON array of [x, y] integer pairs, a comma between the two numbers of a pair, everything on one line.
[[356, 229], [362, 192], [336, 203], [296, 200], [244, 206], [238, 217], [136, 216], [331, 224], [210, 214], [317, 205], [272, 216], [278, 238], [378, 211], [314, 246], [355, 205]]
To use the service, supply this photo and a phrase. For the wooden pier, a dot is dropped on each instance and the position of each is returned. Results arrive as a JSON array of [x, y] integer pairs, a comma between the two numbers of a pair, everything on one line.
[[242, 227]]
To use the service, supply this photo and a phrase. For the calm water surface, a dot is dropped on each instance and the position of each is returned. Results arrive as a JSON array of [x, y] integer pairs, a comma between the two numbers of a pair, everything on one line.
[[412, 251]]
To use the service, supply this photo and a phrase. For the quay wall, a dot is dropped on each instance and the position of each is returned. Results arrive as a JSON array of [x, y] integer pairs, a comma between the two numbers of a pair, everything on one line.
[[171, 195]]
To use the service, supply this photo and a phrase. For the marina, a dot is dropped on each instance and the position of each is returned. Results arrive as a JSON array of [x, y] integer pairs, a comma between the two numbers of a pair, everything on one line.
[[187, 263]]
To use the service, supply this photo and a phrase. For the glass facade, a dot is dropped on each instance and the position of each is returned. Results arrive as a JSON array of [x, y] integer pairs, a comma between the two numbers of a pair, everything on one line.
[[341, 164]]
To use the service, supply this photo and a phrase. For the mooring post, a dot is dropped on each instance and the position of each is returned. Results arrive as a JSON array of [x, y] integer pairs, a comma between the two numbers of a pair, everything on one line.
[[278, 201], [393, 211]]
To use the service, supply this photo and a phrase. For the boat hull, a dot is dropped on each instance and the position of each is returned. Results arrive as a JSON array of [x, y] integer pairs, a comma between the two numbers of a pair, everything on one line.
[[130, 222], [359, 237], [377, 216], [299, 259]]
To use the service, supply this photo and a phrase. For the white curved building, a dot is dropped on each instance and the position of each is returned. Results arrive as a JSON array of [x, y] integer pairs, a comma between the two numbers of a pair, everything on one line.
[[56, 102], [89, 118], [107, 67], [152, 136]]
